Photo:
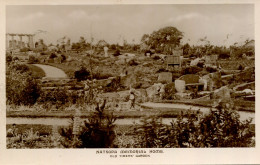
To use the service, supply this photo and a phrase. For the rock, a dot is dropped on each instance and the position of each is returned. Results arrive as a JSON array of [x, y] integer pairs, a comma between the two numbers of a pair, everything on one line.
[[213, 81], [146, 64], [128, 80], [205, 87], [222, 93], [180, 86], [153, 92], [195, 62], [248, 91], [165, 77], [121, 62]]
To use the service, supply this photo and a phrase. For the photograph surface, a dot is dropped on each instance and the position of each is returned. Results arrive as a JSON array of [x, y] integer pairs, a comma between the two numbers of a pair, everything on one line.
[[130, 76]]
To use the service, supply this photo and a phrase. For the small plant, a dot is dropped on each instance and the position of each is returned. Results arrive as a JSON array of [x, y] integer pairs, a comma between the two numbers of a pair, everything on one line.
[[82, 74]]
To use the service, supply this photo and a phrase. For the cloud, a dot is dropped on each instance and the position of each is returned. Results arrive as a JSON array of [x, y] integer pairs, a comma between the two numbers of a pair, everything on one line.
[[188, 17]]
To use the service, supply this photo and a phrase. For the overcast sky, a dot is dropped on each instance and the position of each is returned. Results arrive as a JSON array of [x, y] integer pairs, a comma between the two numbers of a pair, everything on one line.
[[114, 23]]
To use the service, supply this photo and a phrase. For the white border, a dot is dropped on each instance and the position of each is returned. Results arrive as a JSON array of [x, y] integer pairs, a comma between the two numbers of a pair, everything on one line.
[[88, 156]]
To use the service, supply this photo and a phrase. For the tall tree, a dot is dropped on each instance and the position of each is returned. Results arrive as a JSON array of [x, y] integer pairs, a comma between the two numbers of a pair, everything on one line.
[[165, 39]]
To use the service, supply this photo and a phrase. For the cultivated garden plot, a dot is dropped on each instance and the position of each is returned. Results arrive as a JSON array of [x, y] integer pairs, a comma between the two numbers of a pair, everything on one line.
[[163, 91]]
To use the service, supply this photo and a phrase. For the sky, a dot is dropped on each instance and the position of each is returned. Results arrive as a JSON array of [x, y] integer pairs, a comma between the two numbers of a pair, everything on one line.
[[221, 24]]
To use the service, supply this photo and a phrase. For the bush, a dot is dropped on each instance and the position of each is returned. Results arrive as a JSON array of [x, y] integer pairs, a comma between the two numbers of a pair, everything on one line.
[[63, 58], [21, 88], [211, 69], [156, 57], [191, 70], [58, 95], [9, 59], [169, 91], [15, 59], [97, 131], [224, 56], [117, 53], [220, 128], [52, 56], [82, 74], [32, 60]]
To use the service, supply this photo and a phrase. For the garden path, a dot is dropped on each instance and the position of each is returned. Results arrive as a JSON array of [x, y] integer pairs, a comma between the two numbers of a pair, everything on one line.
[[243, 114], [52, 72]]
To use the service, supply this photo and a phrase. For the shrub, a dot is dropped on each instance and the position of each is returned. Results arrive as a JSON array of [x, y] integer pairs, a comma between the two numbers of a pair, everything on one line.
[[211, 69], [97, 131], [52, 56], [82, 74], [191, 70], [220, 128], [156, 57], [169, 91], [63, 58], [32, 60], [9, 59], [117, 53], [21, 68], [21, 88], [224, 56]]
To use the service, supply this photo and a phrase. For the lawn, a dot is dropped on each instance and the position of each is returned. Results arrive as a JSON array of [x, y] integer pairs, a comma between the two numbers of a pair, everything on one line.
[[36, 71]]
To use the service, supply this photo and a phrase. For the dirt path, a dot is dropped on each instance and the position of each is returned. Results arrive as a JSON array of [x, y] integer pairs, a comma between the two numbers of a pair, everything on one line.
[[52, 72]]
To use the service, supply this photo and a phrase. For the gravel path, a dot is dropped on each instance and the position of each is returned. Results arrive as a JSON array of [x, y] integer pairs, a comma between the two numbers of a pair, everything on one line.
[[52, 72]]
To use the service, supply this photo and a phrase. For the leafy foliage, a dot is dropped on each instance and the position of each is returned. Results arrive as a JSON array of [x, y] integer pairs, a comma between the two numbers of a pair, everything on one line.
[[82, 74], [220, 128], [163, 39], [21, 87], [97, 131]]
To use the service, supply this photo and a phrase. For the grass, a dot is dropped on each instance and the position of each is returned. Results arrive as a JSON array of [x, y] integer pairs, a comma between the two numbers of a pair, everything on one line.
[[42, 129], [36, 71], [159, 112]]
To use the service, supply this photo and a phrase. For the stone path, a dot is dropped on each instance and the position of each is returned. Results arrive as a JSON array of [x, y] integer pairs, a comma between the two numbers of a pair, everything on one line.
[[52, 72]]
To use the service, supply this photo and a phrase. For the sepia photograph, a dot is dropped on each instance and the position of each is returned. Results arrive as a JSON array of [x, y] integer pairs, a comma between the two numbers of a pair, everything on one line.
[[130, 76]]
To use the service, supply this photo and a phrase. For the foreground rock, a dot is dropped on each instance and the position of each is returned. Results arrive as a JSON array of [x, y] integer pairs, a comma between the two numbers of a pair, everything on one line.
[[222, 93]]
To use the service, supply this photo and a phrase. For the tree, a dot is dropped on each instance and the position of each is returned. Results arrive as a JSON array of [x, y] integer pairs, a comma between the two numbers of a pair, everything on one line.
[[186, 49], [164, 40]]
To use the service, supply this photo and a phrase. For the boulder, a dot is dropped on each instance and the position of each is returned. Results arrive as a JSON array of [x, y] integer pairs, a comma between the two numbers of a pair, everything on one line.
[[121, 62], [180, 86], [212, 80], [154, 92], [195, 62], [165, 77], [222, 93], [128, 80]]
